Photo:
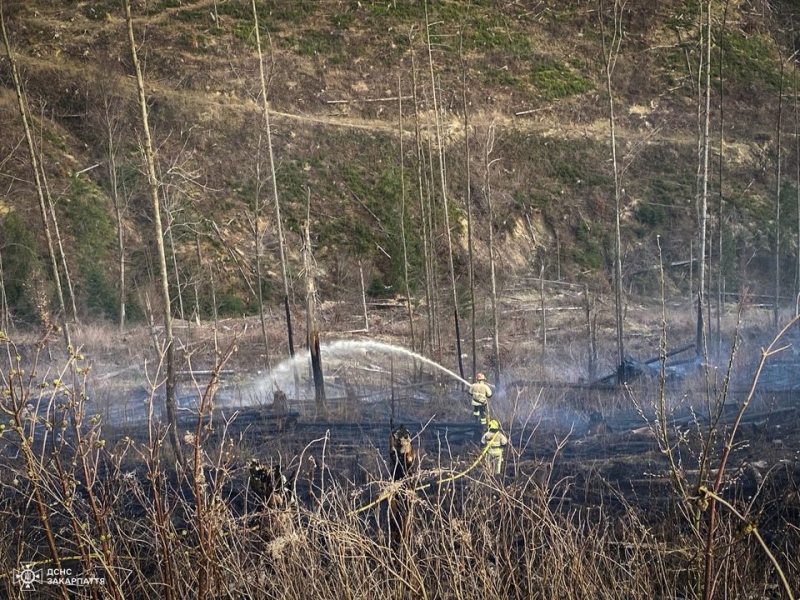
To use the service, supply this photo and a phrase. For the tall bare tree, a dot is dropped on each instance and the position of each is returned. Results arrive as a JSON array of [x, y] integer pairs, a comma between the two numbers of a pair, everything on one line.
[[403, 214], [797, 184], [430, 193], [153, 184], [720, 195], [258, 240], [312, 327], [171, 207], [704, 117], [5, 312], [778, 162], [278, 221], [468, 199], [111, 127], [423, 212], [488, 162], [611, 46], [445, 203]]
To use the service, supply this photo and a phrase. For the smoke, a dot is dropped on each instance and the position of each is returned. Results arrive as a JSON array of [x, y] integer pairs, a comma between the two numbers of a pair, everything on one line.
[[341, 356]]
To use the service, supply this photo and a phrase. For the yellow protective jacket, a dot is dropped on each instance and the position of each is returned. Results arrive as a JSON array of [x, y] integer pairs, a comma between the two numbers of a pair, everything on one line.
[[480, 392], [496, 440]]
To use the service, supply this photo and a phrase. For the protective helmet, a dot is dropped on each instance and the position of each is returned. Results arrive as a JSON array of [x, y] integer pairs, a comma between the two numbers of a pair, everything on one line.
[[494, 425], [480, 377]]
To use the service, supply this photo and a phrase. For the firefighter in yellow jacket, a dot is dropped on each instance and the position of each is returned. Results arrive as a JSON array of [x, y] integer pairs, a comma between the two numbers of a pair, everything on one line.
[[494, 443], [480, 392]]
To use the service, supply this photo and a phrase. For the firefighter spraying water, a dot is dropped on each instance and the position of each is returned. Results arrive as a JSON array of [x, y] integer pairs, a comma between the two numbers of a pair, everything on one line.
[[480, 392]]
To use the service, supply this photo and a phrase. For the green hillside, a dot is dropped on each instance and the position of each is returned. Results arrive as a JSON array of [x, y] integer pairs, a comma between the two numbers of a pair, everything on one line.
[[532, 73]]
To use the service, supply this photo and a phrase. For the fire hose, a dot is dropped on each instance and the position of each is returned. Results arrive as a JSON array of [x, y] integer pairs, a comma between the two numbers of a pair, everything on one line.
[[425, 486]]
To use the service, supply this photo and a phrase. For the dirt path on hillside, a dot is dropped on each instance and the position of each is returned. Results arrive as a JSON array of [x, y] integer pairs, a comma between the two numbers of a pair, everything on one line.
[[454, 128]]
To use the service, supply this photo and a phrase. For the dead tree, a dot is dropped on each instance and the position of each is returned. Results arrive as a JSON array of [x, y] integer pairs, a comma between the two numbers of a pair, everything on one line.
[[591, 329], [426, 248], [170, 207], [543, 309], [610, 48], [257, 239], [797, 185], [150, 161], [5, 313], [778, 158], [468, 199], [278, 222], [312, 328], [402, 217], [445, 205], [720, 195], [704, 115], [111, 131], [363, 295], [488, 162]]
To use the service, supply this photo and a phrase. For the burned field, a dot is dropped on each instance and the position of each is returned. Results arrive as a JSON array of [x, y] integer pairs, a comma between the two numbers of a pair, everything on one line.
[[606, 491]]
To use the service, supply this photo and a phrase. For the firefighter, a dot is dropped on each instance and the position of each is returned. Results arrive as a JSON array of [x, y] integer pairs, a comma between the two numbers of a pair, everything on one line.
[[270, 484], [494, 442], [480, 392], [401, 453]]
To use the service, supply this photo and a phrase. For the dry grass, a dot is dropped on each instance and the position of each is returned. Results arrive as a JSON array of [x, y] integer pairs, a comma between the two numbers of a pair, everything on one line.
[[121, 510]]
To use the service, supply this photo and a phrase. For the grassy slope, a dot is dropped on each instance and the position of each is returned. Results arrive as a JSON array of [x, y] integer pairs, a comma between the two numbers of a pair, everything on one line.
[[552, 185]]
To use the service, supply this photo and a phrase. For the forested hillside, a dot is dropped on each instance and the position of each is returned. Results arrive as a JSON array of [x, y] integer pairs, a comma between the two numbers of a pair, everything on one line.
[[505, 118]]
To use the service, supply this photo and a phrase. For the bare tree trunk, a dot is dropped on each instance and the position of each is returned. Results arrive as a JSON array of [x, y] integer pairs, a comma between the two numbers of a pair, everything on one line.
[[488, 162], [691, 268], [701, 342], [5, 314], [173, 255], [558, 255], [111, 156], [363, 295], [468, 196], [170, 406], [797, 185], [214, 313], [403, 213], [610, 53], [778, 159], [591, 327], [312, 327], [720, 228], [257, 235], [432, 228], [543, 317], [23, 111], [427, 249], [442, 175], [197, 278], [278, 222]]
